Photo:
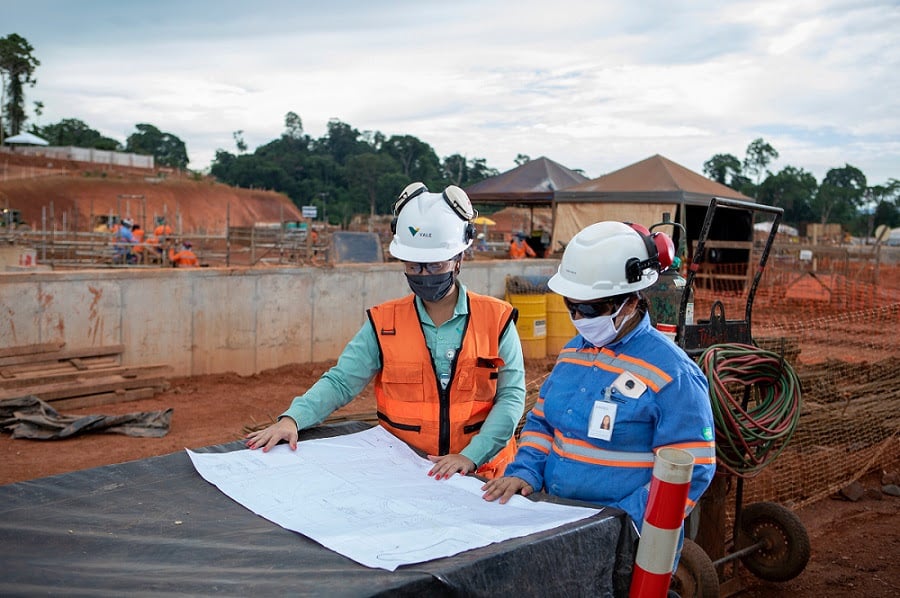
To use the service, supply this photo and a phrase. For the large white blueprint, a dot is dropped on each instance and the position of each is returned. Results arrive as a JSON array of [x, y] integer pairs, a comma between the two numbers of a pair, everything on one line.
[[368, 496]]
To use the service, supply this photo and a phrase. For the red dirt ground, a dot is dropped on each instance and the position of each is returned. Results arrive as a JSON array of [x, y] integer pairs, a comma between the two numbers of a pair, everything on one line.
[[855, 545]]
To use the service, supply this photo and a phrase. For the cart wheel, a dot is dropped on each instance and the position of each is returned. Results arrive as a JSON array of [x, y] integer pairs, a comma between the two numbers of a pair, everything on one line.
[[696, 575], [785, 551]]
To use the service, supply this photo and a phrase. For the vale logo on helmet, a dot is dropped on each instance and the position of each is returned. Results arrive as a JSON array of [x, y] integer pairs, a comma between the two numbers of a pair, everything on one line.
[[414, 231]]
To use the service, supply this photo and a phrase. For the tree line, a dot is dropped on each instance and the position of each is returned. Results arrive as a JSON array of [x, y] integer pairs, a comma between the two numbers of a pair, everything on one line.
[[346, 172], [844, 196]]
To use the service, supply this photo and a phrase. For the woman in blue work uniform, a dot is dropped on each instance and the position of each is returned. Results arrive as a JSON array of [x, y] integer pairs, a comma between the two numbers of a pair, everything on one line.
[[620, 390]]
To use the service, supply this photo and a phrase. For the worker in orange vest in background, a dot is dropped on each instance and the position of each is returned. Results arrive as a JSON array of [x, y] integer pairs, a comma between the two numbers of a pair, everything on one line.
[[138, 233], [185, 258], [518, 248], [161, 237]]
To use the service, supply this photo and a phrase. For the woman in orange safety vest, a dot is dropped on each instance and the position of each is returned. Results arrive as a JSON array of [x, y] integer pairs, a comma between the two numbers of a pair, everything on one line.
[[446, 363]]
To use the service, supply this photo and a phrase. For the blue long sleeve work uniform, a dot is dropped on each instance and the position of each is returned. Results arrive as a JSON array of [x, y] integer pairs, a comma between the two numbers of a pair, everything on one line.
[[564, 453]]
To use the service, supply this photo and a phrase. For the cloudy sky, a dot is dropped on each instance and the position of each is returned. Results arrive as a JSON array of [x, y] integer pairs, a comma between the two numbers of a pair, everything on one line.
[[594, 85]]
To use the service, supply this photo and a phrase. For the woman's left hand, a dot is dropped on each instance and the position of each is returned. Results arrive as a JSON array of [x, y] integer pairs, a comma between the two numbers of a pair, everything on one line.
[[446, 466]]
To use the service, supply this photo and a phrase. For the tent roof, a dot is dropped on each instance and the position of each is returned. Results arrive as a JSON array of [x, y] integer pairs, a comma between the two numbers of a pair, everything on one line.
[[26, 138], [534, 182], [655, 179]]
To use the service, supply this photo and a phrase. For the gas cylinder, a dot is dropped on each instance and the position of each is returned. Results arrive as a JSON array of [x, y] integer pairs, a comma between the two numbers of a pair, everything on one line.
[[664, 299]]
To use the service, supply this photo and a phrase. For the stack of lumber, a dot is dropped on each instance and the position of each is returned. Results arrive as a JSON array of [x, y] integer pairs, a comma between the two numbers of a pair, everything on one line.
[[73, 378]]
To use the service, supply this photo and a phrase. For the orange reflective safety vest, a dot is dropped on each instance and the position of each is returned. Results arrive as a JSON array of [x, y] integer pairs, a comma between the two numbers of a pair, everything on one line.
[[411, 403], [138, 240], [183, 259], [519, 249]]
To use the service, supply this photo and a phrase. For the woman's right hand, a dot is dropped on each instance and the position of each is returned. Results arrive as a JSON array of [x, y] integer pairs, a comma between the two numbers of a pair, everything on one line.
[[504, 488], [283, 429]]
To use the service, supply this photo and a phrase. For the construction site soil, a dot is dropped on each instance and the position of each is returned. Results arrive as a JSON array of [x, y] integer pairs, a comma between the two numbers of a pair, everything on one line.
[[855, 545]]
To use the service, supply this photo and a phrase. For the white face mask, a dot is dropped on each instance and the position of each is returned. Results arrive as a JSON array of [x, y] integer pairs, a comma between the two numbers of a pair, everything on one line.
[[600, 330]]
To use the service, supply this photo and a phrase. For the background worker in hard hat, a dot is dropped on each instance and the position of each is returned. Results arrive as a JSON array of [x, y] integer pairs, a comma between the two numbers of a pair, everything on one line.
[[619, 366], [123, 243], [184, 257], [160, 241], [518, 248], [447, 362]]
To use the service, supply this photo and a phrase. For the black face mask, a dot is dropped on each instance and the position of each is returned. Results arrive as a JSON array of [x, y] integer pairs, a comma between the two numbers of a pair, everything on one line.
[[431, 287]]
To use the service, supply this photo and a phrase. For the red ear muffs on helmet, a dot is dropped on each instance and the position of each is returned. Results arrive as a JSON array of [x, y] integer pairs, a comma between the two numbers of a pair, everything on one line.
[[660, 251]]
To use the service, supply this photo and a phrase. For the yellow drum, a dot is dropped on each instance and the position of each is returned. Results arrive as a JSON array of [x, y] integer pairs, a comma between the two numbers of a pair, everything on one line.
[[532, 324], [560, 329]]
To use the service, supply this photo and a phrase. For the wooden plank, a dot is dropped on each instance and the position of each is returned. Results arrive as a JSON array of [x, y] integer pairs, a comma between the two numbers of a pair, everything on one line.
[[51, 356], [31, 349], [51, 392], [31, 369], [73, 376], [78, 363], [106, 398]]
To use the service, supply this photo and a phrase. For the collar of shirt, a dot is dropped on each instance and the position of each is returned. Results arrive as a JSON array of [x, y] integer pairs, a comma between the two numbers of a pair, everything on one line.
[[460, 309]]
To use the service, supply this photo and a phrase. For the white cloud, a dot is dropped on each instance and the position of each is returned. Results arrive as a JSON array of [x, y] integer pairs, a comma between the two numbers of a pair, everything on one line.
[[594, 85]]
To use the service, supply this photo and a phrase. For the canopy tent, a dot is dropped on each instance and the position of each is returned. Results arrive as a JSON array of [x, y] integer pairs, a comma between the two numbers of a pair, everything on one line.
[[26, 139], [532, 183], [642, 192], [783, 229]]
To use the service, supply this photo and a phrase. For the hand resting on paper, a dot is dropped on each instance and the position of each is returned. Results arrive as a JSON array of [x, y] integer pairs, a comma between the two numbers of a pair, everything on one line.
[[446, 466], [504, 488], [283, 429]]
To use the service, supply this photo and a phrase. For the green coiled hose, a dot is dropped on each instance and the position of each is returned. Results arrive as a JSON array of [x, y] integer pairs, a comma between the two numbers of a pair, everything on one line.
[[754, 427]]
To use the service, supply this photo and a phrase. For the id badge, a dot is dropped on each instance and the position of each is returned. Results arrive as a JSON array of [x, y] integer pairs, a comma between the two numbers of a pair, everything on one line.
[[603, 420]]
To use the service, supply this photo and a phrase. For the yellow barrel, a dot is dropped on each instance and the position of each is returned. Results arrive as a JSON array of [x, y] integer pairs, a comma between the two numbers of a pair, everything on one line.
[[532, 324], [559, 326]]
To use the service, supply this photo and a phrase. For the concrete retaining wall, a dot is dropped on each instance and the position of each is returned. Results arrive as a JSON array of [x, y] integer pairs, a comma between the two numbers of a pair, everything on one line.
[[211, 320]]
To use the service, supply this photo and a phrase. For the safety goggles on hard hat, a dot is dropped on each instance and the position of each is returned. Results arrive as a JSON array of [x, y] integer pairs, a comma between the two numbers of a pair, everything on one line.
[[455, 197], [593, 309]]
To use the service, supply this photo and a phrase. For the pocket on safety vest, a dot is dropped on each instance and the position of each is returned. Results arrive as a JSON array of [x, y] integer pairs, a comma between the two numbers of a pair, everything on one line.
[[484, 376], [406, 378]]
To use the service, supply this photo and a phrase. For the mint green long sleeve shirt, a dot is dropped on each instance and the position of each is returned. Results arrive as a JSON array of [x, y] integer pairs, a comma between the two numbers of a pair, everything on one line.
[[360, 361]]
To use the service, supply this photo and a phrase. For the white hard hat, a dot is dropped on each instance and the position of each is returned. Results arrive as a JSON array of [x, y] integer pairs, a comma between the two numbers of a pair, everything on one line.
[[603, 260], [431, 227], [128, 222]]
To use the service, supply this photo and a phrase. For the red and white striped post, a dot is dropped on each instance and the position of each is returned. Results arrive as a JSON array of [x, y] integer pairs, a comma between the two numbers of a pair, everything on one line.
[[663, 518]]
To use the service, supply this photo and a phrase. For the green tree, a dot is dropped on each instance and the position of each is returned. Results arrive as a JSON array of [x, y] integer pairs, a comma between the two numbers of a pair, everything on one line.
[[722, 168], [479, 170], [367, 172], [167, 149], [417, 159], [758, 156], [341, 141], [74, 132], [792, 189], [887, 205], [842, 191], [17, 66], [522, 159], [293, 125], [454, 170], [239, 141]]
